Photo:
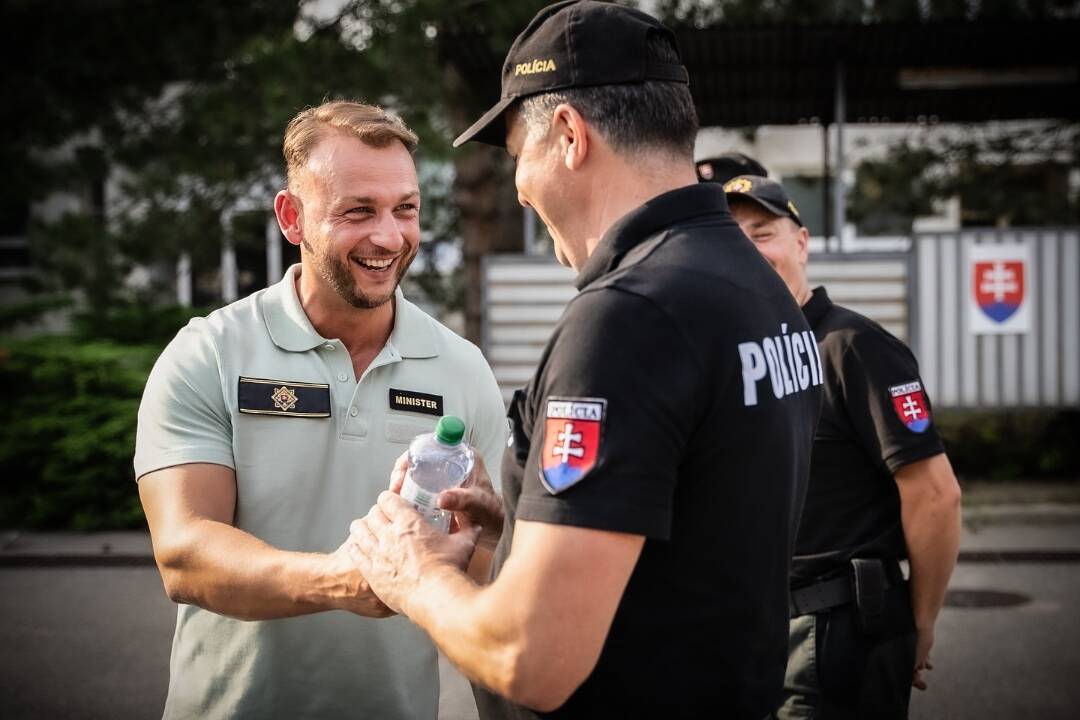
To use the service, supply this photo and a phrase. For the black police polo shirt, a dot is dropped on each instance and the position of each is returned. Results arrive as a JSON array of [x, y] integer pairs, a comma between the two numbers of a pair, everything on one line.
[[876, 418], [672, 401]]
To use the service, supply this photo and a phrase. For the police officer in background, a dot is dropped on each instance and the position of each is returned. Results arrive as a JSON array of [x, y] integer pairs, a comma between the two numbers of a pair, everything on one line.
[[881, 490], [661, 450]]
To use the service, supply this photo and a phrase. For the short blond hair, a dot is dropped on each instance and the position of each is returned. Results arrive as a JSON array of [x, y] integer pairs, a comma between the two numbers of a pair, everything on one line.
[[368, 123]]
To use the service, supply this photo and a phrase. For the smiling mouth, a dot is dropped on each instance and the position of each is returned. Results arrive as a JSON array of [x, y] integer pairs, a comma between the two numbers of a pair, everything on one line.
[[375, 264]]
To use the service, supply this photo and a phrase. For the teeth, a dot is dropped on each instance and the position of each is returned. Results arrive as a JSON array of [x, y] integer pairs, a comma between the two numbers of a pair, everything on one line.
[[376, 264]]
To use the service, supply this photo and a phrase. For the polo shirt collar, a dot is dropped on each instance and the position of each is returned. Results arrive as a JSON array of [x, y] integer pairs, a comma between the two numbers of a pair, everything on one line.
[[413, 335], [659, 213], [817, 306]]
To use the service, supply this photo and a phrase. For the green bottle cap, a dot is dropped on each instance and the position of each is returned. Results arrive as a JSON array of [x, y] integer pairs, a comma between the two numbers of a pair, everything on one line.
[[450, 430]]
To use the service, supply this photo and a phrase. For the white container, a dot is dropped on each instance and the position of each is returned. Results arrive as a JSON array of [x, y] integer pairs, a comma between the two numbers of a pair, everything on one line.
[[438, 461]]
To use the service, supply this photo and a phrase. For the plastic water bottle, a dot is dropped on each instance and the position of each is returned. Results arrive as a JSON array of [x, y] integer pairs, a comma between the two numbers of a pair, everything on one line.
[[437, 461]]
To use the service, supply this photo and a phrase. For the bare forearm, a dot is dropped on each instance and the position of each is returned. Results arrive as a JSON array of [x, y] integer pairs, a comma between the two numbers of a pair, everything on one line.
[[932, 530], [228, 571], [475, 634]]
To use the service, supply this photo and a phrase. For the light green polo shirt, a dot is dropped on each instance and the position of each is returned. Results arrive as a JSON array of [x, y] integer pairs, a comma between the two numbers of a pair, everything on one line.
[[300, 480]]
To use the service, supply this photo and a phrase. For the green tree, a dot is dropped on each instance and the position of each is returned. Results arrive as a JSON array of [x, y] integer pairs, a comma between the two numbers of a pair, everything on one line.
[[1002, 176], [186, 150]]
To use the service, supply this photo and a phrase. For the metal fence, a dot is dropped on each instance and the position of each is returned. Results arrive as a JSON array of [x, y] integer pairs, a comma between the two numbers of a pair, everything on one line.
[[1039, 367], [524, 295]]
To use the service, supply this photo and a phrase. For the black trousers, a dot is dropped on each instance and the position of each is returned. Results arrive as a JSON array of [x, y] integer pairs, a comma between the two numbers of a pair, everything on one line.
[[836, 671]]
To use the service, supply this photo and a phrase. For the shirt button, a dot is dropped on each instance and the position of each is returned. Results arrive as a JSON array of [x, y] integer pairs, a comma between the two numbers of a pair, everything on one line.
[[342, 377], [353, 411], [328, 346]]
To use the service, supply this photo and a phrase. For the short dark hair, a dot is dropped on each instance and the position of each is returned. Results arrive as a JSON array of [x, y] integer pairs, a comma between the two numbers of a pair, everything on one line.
[[652, 115]]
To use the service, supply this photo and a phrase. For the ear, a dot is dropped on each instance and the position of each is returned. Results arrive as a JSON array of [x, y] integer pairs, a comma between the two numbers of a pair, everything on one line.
[[572, 135], [804, 245], [289, 212]]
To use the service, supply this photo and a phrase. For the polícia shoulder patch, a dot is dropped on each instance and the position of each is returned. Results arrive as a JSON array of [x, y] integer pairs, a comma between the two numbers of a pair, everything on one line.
[[573, 431]]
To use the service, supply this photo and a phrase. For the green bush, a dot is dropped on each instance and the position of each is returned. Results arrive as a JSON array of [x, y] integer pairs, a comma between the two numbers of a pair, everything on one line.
[[69, 416], [1019, 445], [69, 432], [134, 324]]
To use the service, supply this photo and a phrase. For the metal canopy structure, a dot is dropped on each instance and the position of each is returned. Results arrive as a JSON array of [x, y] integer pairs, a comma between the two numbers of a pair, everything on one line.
[[970, 71], [947, 72], [786, 74]]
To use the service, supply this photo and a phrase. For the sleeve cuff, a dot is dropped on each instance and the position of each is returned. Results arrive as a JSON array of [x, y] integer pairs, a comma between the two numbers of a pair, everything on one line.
[[183, 457], [909, 455]]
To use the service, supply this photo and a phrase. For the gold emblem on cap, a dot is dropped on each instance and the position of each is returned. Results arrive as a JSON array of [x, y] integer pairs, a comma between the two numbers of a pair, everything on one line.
[[792, 208], [536, 66], [738, 185], [284, 398]]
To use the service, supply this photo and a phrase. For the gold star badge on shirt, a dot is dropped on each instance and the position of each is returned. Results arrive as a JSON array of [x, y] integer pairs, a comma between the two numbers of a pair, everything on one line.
[[284, 398]]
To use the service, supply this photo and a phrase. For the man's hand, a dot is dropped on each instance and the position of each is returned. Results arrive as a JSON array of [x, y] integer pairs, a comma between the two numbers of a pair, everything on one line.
[[475, 504], [395, 548], [359, 598], [924, 640]]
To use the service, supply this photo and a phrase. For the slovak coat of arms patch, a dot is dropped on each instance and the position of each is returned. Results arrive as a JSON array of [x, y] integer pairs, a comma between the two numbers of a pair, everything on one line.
[[573, 430], [909, 402]]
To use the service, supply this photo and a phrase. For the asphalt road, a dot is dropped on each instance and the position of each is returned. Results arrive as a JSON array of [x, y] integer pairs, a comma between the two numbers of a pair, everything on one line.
[[94, 642]]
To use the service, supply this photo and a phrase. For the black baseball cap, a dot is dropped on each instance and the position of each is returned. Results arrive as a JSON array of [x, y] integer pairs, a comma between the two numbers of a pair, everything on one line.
[[722, 168], [767, 193], [579, 43]]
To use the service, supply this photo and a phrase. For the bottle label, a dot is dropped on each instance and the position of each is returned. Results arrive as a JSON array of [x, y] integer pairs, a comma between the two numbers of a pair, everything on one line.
[[421, 498], [424, 502]]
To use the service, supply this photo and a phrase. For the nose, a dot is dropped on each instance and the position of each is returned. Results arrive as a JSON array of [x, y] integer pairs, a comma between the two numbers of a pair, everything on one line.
[[387, 235]]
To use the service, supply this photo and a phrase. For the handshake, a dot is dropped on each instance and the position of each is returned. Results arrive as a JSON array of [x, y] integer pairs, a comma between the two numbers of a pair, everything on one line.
[[390, 549]]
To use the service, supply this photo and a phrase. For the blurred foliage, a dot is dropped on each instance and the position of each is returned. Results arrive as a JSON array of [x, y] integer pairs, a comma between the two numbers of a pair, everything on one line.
[[30, 311], [1003, 176], [701, 13], [68, 431], [172, 121], [69, 417], [135, 324], [1016, 445]]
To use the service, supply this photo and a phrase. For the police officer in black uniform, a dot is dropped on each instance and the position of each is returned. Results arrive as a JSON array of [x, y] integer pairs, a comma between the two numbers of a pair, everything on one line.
[[661, 451], [881, 490]]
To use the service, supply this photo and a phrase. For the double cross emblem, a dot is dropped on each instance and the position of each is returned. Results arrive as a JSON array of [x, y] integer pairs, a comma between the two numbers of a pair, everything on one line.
[[567, 437]]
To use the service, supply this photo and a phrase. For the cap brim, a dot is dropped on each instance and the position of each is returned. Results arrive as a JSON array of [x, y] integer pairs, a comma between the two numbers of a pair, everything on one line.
[[775, 210], [488, 129]]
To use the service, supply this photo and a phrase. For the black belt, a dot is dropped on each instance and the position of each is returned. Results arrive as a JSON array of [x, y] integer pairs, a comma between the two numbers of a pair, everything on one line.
[[835, 592]]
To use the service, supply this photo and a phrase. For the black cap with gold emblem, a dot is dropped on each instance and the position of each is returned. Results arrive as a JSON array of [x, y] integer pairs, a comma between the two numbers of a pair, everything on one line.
[[767, 193], [578, 43]]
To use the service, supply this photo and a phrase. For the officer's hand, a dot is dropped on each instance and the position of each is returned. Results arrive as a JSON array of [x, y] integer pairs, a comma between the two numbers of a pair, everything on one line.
[[477, 504], [924, 640], [359, 597], [395, 549]]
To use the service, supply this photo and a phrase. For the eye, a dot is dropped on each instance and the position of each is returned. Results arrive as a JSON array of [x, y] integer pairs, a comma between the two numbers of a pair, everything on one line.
[[362, 210]]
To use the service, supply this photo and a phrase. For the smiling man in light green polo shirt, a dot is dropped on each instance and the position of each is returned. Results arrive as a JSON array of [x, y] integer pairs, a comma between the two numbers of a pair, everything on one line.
[[266, 427]]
